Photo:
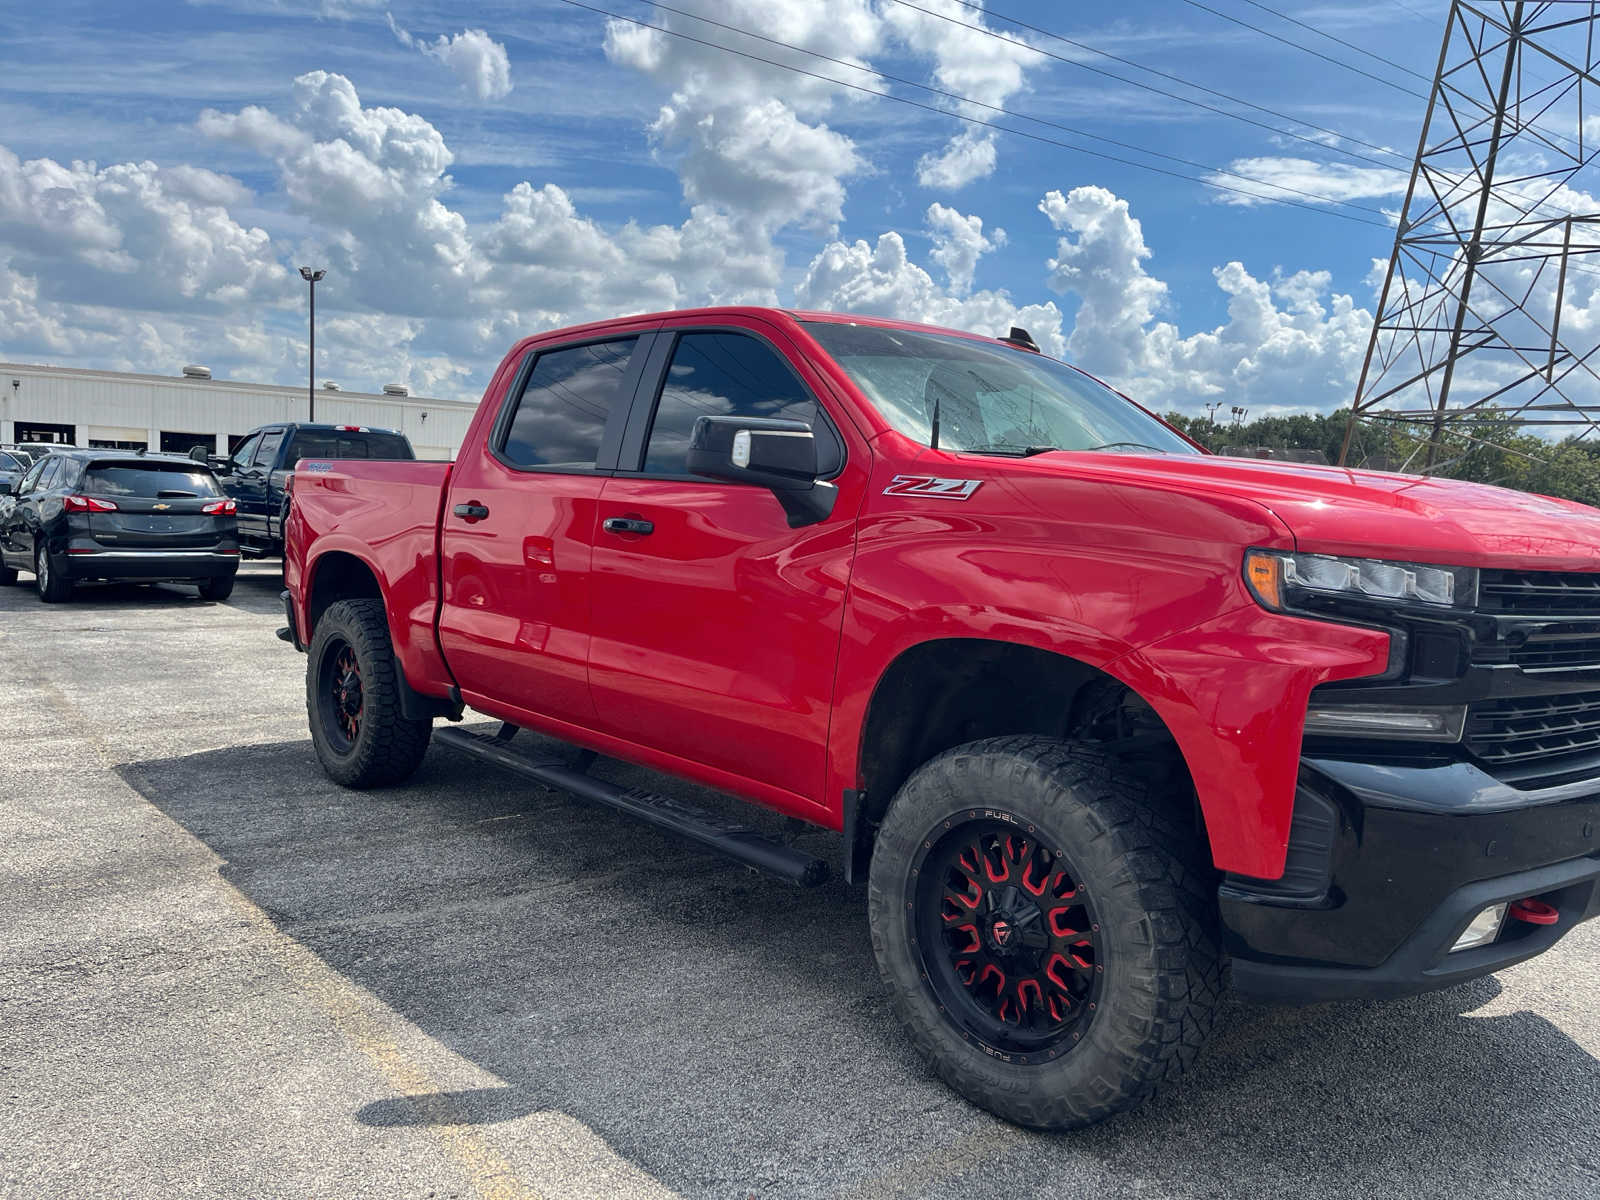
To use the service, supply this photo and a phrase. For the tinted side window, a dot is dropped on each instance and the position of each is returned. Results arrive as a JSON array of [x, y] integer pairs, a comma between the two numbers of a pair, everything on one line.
[[267, 452], [561, 415], [31, 480], [720, 375], [241, 456], [52, 472]]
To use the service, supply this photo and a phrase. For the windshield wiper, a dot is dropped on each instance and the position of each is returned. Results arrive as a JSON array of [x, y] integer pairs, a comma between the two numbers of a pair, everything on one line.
[[1011, 451], [1129, 445]]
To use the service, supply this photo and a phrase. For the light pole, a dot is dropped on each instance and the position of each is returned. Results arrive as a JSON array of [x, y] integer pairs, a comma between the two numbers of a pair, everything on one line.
[[311, 278]]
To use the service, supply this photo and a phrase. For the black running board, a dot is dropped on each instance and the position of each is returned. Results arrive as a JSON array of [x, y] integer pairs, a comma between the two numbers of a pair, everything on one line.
[[694, 824]]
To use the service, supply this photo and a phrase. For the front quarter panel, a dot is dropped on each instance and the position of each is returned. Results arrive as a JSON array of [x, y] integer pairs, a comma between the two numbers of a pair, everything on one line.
[[1142, 581]]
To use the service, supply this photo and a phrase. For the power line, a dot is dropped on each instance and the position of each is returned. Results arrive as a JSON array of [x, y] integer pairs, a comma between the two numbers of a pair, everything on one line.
[[977, 121], [1221, 112], [1199, 87], [1188, 162], [1307, 49], [1548, 134], [1536, 204], [1388, 62]]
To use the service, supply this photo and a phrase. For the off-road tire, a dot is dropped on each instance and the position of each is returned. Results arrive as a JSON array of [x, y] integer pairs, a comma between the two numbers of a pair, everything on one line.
[[1154, 896], [54, 586], [387, 748], [219, 588]]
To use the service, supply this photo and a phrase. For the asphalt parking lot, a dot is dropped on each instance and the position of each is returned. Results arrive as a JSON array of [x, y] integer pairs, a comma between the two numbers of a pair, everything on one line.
[[220, 975]]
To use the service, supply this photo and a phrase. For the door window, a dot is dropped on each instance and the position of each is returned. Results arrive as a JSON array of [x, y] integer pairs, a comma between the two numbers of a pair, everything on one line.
[[717, 374], [30, 481], [241, 456], [560, 418], [267, 452], [52, 471]]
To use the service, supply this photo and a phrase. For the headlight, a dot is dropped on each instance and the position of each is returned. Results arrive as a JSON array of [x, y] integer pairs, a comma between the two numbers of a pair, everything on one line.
[[1283, 581]]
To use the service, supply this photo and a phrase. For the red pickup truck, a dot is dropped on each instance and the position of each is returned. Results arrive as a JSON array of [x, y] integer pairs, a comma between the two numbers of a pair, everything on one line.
[[1102, 719]]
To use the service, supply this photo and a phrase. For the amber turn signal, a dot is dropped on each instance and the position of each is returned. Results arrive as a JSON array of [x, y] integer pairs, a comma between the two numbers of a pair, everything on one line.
[[1264, 573]]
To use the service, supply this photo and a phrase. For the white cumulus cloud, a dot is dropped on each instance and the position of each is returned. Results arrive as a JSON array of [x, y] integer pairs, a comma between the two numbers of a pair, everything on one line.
[[475, 58]]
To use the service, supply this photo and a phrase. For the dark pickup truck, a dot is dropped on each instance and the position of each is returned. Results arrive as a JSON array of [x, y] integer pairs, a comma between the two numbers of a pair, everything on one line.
[[258, 473], [1104, 721]]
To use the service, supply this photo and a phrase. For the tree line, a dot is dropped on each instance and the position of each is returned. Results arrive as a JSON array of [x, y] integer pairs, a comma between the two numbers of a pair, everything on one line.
[[1494, 449]]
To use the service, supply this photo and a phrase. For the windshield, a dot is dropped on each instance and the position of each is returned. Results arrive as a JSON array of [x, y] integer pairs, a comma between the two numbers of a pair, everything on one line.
[[988, 397], [9, 463], [148, 479]]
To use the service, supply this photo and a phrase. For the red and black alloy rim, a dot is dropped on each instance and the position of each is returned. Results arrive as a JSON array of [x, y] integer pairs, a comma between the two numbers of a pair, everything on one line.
[[342, 701], [1009, 942]]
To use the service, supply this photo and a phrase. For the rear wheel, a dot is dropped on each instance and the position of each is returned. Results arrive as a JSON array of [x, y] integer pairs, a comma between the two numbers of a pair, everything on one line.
[[353, 699], [53, 584], [219, 588], [1048, 935]]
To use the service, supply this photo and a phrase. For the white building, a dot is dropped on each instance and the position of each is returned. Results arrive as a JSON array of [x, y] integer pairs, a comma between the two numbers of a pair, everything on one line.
[[177, 412]]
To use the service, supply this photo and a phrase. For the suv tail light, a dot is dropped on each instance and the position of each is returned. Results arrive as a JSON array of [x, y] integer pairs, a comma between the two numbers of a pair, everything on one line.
[[86, 504], [352, 429], [221, 508]]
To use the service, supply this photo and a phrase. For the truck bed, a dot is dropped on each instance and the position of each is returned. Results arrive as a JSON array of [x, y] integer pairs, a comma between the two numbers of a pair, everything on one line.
[[385, 515]]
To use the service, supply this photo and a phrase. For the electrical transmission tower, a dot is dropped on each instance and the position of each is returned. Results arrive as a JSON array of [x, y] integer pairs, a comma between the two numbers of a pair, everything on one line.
[[1494, 236]]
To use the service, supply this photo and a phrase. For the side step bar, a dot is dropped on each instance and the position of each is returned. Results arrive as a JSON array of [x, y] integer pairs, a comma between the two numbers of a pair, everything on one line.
[[694, 824]]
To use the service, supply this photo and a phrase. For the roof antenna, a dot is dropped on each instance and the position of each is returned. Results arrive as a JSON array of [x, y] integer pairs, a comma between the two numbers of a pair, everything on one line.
[[1022, 339]]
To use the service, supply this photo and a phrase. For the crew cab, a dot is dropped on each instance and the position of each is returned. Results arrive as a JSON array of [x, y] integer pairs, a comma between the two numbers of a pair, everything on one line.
[[1103, 721], [258, 472]]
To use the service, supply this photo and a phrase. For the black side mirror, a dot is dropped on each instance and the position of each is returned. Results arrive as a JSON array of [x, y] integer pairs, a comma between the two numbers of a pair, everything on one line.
[[780, 456], [5, 487], [199, 455]]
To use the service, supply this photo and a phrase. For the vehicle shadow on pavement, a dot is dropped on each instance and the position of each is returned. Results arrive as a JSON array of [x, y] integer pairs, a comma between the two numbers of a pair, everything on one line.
[[729, 1035]]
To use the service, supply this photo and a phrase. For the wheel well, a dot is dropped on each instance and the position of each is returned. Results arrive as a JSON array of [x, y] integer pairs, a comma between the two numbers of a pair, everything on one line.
[[945, 693], [338, 576]]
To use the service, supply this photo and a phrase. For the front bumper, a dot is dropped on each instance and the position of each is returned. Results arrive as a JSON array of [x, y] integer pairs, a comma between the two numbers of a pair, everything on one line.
[[1389, 864]]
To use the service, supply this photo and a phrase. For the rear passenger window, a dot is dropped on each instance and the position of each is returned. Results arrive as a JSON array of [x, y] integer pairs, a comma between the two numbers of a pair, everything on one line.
[[561, 415], [720, 375]]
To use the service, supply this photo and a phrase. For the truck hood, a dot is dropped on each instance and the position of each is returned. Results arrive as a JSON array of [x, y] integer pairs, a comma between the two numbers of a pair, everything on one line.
[[1334, 510]]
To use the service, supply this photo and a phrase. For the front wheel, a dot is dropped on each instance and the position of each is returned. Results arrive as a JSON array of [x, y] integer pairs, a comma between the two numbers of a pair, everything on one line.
[[1047, 933], [54, 586], [353, 700]]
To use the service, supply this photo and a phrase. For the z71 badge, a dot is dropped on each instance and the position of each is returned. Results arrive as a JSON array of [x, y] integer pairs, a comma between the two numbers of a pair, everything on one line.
[[930, 485]]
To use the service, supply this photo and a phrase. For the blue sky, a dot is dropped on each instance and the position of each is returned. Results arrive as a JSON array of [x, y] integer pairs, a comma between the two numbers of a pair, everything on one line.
[[470, 173]]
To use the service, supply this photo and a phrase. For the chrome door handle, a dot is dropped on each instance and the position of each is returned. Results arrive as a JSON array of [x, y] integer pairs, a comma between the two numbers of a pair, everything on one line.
[[627, 525], [471, 512]]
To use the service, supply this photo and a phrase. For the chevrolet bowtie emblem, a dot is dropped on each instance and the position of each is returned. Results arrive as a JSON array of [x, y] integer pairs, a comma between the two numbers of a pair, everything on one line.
[[162, 507]]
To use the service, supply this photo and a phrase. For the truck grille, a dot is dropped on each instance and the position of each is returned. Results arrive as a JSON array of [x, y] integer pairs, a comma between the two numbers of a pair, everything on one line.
[[1540, 593], [1558, 651], [1523, 728]]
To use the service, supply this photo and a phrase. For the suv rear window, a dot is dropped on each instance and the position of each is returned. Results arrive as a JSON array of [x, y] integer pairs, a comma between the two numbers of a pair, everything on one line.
[[333, 443], [147, 479]]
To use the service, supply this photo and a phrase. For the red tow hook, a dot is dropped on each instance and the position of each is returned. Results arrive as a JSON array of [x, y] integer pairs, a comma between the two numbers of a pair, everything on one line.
[[1534, 912]]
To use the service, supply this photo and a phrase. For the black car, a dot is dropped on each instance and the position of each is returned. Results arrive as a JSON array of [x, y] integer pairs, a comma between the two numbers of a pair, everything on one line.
[[114, 515], [257, 475]]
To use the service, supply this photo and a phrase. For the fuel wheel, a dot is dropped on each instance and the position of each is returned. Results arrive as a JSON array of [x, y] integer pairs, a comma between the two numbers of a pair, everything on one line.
[[341, 679], [1007, 935], [54, 586], [353, 699], [1046, 928]]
